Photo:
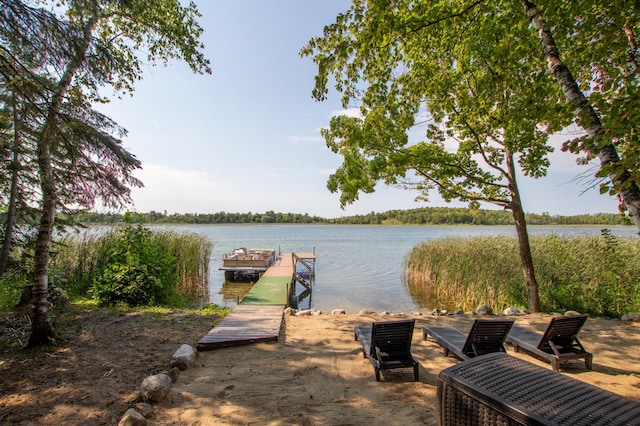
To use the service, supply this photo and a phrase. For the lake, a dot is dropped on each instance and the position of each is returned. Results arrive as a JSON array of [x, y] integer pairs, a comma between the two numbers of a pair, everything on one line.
[[358, 266]]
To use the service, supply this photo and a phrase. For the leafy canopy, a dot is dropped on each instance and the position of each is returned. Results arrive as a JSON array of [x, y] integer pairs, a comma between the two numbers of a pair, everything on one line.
[[464, 75]]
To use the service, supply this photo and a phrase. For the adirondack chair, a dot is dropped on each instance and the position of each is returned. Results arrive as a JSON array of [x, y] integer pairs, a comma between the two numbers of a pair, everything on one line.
[[388, 345], [559, 343], [486, 336]]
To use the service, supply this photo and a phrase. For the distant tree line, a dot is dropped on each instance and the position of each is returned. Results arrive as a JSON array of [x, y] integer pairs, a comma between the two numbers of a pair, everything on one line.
[[420, 216]]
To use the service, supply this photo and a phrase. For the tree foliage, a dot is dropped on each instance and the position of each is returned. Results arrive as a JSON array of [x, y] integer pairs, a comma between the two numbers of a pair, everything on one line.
[[134, 270], [453, 68], [68, 51], [598, 140], [419, 216], [402, 59], [472, 71]]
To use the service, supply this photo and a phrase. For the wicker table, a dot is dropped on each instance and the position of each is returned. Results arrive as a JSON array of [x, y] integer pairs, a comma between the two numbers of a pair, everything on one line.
[[498, 389]]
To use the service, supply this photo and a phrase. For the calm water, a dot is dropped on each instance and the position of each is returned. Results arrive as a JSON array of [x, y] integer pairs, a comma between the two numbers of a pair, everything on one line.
[[357, 266]]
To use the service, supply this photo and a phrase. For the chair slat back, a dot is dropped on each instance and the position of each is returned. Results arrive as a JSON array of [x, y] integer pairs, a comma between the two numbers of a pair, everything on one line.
[[562, 331], [486, 336], [392, 337]]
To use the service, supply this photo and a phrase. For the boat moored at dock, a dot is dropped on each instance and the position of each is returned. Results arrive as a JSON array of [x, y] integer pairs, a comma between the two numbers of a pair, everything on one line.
[[246, 265]]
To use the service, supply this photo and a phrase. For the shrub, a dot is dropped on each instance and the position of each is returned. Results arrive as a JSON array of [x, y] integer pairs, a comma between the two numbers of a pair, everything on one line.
[[134, 271], [105, 257], [11, 288]]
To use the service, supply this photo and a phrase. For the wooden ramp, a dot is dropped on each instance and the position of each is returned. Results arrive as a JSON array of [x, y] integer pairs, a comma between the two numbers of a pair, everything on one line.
[[258, 317], [244, 325]]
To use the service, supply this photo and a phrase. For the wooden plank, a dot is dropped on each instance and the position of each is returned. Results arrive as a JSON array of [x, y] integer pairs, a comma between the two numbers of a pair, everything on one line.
[[282, 267], [244, 325]]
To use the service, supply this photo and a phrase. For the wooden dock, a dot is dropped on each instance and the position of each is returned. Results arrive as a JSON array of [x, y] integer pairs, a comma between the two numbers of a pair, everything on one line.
[[258, 317], [244, 325]]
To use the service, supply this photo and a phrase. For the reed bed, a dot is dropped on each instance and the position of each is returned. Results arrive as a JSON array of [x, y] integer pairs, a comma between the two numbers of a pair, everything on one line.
[[594, 274], [192, 252], [79, 257]]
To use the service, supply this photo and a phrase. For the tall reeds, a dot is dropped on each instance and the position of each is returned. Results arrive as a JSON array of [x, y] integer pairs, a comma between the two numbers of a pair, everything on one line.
[[78, 257], [192, 252], [595, 274]]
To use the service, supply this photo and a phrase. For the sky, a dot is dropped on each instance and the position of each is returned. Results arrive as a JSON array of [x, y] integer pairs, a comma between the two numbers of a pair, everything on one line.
[[247, 137]]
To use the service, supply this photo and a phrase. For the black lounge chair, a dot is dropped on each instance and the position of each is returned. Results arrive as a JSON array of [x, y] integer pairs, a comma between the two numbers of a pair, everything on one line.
[[557, 345], [388, 345], [486, 336]]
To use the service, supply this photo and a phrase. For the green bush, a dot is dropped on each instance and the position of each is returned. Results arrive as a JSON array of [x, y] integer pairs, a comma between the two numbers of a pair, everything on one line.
[[134, 271], [11, 287], [130, 265]]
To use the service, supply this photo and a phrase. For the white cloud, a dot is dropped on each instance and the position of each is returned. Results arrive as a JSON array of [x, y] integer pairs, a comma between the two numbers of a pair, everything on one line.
[[349, 112]]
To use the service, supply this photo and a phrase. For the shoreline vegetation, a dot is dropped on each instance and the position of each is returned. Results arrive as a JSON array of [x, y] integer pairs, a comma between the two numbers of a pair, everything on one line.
[[136, 266], [419, 216], [596, 274]]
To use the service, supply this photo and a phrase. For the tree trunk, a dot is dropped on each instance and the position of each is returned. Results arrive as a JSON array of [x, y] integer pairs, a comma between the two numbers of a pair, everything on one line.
[[41, 330], [629, 192], [533, 297], [13, 196]]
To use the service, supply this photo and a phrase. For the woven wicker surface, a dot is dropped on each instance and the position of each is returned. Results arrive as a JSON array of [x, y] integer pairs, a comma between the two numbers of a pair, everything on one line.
[[523, 393]]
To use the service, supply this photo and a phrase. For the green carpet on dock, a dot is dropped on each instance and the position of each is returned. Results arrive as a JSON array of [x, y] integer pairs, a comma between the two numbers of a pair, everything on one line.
[[268, 291]]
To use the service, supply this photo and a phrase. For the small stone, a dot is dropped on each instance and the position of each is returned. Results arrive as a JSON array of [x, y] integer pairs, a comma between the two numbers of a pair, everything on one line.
[[132, 418], [512, 310], [571, 313], [184, 357], [174, 373], [145, 409], [338, 312], [631, 316], [484, 310], [155, 388], [366, 312]]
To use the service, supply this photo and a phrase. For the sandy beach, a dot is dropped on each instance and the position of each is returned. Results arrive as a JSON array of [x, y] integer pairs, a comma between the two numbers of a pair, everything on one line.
[[316, 374]]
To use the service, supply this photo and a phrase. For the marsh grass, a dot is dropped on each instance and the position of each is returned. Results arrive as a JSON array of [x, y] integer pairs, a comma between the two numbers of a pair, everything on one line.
[[79, 258], [192, 252], [595, 274]]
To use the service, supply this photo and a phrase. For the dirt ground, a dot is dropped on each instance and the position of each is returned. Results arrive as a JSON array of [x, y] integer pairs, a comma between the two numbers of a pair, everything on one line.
[[93, 374], [314, 375]]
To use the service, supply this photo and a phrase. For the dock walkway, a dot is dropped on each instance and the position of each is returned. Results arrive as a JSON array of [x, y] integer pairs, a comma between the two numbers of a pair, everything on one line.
[[258, 317]]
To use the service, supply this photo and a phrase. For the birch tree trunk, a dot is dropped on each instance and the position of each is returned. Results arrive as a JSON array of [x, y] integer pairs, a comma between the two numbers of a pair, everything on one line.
[[41, 329], [590, 122]]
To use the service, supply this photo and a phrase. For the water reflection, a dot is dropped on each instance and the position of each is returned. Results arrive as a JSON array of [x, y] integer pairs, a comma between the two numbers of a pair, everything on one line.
[[232, 292], [426, 297]]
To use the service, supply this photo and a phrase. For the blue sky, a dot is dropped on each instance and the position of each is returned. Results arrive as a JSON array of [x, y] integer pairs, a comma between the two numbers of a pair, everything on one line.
[[247, 137]]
